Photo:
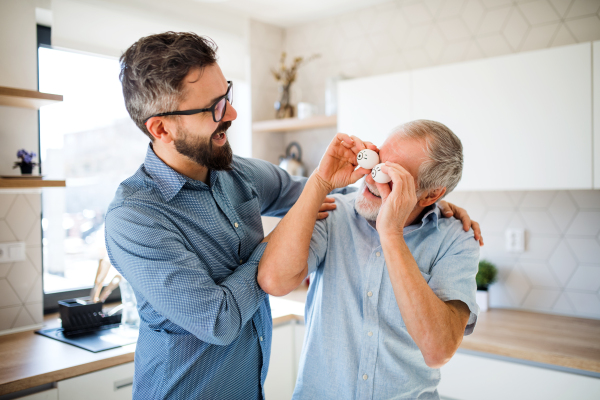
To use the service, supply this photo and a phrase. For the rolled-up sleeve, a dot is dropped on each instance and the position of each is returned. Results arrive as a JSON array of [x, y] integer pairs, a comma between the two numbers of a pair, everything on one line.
[[174, 279]]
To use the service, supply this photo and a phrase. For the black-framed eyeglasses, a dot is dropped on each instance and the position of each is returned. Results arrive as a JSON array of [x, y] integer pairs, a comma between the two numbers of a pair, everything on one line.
[[217, 109]]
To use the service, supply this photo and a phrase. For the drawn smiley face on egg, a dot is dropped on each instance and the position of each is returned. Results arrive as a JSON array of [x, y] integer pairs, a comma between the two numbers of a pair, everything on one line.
[[378, 175], [367, 158]]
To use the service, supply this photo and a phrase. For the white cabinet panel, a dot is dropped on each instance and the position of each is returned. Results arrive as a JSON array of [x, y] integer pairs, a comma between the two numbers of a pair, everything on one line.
[[285, 358], [596, 79], [371, 107], [113, 383], [299, 331], [524, 119], [281, 378], [50, 394], [470, 377]]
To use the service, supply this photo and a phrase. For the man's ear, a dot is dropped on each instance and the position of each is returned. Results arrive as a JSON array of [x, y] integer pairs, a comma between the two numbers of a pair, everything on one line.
[[159, 130], [431, 197]]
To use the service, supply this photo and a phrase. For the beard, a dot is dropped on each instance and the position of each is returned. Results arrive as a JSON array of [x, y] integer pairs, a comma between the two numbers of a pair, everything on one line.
[[366, 207], [202, 151]]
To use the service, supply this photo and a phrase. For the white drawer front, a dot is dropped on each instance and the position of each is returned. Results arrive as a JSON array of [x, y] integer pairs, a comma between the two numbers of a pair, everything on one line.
[[112, 383]]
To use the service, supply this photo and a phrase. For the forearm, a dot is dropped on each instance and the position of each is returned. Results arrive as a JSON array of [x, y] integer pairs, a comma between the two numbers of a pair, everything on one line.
[[283, 265], [435, 326]]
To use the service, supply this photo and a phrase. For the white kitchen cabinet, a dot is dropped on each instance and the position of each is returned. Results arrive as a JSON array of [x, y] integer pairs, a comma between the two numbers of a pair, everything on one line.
[[50, 394], [524, 119], [285, 356], [596, 79], [371, 107], [473, 377], [113, 383]]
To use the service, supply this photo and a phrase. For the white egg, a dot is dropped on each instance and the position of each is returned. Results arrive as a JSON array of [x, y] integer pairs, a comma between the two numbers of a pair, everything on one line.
[[378, 175], [367, 158]]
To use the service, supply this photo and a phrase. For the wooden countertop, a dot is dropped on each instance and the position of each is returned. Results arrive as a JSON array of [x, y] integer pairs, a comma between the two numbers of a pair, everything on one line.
[[30, 360], [549, 339]]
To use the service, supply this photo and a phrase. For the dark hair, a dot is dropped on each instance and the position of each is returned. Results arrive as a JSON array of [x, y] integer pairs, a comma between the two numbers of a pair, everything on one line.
[[153, 69]]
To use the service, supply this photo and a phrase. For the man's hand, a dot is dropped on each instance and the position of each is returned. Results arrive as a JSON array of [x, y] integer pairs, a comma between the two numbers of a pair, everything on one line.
[[396, 203], [328, 205], [338, 165], [448, 210]]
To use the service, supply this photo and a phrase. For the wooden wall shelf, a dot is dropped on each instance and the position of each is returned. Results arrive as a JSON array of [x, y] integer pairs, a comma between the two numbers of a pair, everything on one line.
[[13, 97], [295, 124], [29, 183]]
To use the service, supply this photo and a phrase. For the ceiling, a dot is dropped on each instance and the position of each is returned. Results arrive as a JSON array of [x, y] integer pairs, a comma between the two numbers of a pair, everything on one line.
[[287, 13]]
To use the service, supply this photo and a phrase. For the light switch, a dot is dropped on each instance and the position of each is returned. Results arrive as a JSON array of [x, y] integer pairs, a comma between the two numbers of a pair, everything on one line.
[[12, 252], [515, 240], [16, 252]]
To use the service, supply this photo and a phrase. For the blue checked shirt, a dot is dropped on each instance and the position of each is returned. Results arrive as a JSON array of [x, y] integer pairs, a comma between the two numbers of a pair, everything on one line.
[[356, 344], [191, 252]]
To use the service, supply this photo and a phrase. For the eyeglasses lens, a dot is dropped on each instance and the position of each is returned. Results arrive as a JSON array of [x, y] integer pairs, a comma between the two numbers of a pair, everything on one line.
[[220, 109], [222, 105]]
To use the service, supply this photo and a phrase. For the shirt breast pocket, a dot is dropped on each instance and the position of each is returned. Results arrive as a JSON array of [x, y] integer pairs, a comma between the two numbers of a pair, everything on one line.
[[249, 214]]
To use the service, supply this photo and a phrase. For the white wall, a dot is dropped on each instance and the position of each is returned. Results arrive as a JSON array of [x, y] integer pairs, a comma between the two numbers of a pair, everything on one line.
[[20, 283], [266, 45], [18, 69], [110, 27]]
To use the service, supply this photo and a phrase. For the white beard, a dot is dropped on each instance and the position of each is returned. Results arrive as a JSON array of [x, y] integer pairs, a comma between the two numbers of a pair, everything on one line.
[[367, 208]]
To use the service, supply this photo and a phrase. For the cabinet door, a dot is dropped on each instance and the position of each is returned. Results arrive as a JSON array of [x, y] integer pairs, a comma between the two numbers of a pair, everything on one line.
[[596, 67], [113, 383], [470, 377], [371, 107], [524, 119], [281, 377], [50, 394]]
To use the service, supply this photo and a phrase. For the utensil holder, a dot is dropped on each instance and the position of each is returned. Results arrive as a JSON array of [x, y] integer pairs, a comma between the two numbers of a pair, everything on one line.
[[82, 315]]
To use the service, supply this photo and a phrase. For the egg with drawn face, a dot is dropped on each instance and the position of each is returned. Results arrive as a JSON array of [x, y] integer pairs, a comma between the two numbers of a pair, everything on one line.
[[367, 158], [378, 175]]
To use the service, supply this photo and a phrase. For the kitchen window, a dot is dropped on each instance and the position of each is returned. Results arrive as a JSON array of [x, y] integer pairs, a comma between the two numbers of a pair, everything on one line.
[[90, 141]]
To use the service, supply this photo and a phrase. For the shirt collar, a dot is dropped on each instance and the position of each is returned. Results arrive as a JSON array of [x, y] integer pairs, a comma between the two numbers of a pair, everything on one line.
[[169, 181], [432, 213]]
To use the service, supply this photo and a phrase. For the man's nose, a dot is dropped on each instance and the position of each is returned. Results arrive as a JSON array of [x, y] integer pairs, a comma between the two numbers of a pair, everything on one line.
[[230, 113]]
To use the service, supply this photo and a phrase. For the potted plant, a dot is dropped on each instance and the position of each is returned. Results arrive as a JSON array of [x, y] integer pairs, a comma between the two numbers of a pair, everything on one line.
[[26, 163], [485, 277], [285, 76]]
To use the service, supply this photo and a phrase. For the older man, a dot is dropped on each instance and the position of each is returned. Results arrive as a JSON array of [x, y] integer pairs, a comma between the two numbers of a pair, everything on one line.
[[392, 284]]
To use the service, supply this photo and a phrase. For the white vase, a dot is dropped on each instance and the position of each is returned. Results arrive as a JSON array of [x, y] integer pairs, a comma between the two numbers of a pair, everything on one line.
[[482, 298]]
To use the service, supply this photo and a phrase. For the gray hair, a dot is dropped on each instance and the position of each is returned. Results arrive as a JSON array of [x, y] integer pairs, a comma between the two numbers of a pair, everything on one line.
[[445, 163], [153, 70]]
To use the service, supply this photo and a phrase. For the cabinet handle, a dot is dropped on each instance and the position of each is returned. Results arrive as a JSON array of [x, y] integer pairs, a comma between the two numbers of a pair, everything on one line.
[[123, 383]]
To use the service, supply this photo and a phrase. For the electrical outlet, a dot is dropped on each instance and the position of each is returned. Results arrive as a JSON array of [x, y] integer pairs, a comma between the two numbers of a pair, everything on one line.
[[515, 240], [11, 252]]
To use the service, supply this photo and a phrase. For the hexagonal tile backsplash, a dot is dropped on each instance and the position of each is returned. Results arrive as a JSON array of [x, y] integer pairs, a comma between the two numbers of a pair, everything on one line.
[[559, 272], [21, 296]]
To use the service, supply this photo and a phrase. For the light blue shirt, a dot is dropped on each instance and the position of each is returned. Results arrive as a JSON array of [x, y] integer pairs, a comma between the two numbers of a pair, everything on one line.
[[356, 344]]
